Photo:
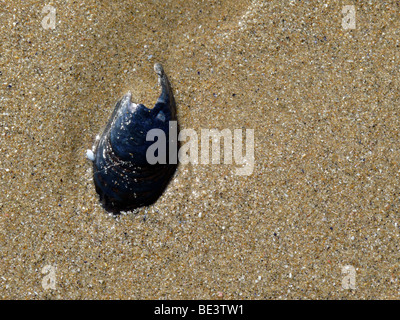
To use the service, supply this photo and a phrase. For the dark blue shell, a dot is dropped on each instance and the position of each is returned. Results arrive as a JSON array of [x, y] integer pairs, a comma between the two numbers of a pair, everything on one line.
[[122, 175]]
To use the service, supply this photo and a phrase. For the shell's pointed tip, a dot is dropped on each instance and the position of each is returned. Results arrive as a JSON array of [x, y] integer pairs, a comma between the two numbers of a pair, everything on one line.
[[90, 154], [127, 96], [158, 68]]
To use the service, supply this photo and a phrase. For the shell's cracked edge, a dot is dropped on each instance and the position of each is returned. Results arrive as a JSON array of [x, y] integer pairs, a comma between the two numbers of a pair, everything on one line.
[[159, 70]]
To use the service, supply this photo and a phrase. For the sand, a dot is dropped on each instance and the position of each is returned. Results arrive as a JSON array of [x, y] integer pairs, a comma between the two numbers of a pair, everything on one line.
[[323, 102]]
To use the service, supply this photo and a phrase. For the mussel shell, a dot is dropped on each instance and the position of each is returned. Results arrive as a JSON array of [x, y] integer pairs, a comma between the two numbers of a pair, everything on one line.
[[122, 175]]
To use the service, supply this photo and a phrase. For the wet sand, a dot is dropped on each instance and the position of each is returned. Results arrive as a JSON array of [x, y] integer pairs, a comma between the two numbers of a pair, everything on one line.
[[323, 102]]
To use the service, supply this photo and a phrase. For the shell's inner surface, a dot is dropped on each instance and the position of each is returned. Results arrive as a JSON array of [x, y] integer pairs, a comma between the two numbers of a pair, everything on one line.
[[123, 176]]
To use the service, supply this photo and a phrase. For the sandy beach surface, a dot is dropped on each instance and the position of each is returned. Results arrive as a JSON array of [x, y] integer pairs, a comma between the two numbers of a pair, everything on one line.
[[318, 217]]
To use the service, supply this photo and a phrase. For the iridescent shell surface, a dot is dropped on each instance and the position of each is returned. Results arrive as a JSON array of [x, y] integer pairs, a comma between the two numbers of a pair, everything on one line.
[[123, 177]]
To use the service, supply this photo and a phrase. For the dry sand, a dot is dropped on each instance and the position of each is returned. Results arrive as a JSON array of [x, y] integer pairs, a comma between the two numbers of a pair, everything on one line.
[[324, 105]]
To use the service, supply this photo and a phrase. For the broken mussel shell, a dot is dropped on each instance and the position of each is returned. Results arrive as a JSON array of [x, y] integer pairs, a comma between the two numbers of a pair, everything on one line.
[[122, 174]]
